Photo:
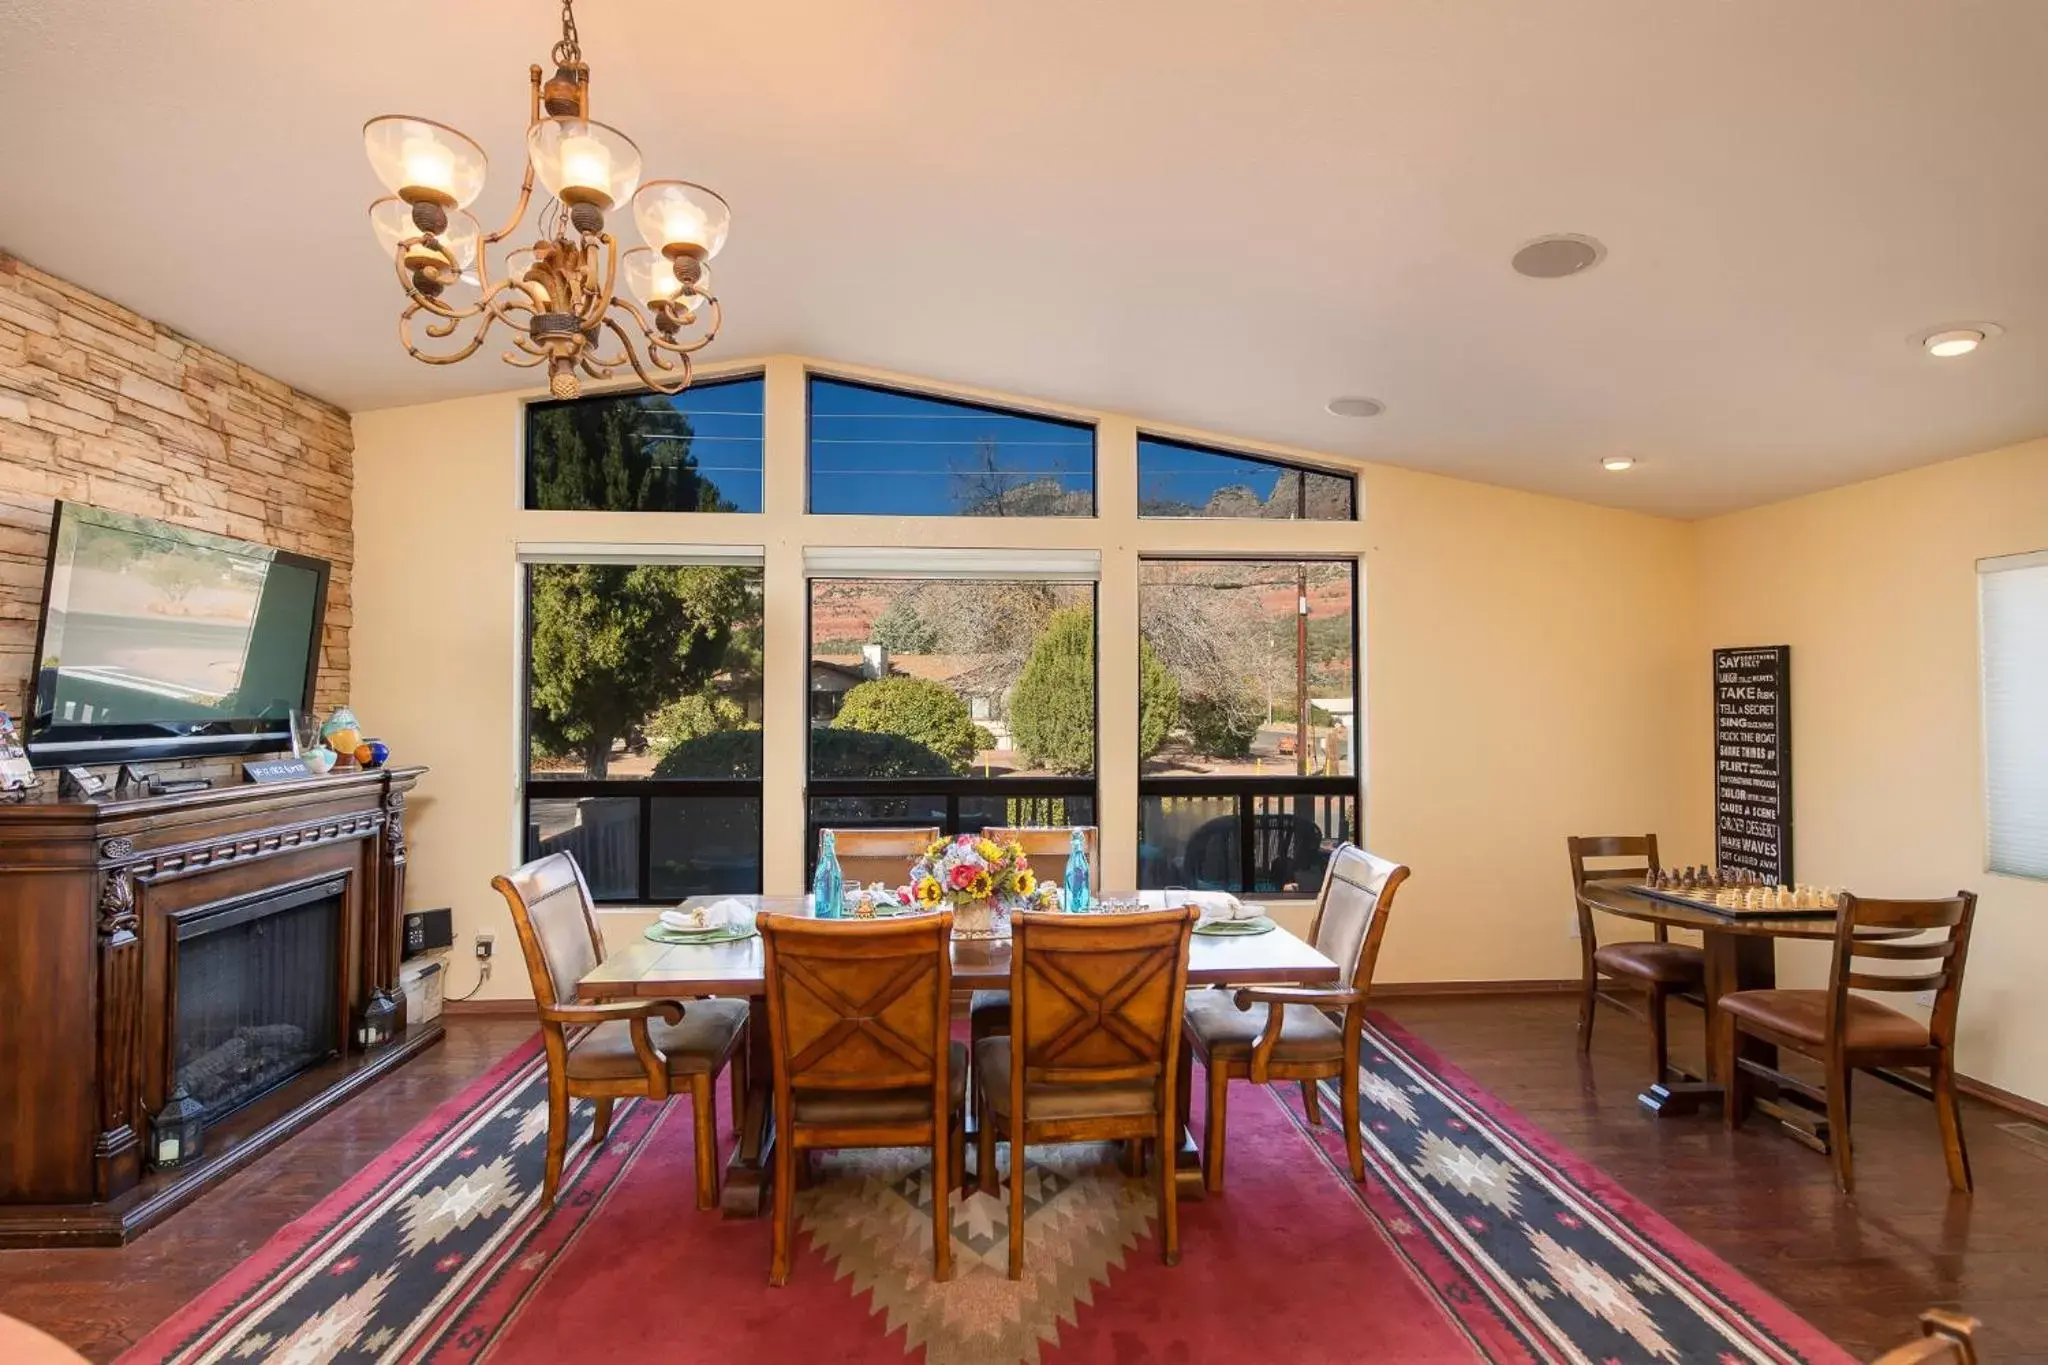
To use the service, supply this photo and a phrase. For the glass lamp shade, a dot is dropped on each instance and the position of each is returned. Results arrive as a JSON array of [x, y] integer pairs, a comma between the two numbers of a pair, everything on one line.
[[678, 218], [651, 278], [422, 161], [391, 221], [581, 162]]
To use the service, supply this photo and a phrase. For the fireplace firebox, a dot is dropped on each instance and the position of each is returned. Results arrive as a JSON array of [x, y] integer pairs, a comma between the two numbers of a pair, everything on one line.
[[256, 995]]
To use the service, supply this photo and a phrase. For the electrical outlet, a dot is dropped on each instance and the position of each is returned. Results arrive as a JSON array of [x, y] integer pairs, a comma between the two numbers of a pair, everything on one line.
[[486, 943]]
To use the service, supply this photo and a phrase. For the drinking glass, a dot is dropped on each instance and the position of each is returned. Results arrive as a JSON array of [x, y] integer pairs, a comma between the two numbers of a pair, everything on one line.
[[305, 732]]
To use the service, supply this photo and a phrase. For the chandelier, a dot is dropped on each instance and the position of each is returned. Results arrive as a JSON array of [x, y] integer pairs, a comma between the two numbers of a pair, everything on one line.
[[560, 296]]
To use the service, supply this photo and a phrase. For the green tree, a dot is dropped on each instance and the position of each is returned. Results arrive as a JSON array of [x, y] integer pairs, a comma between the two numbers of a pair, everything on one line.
[[900, 630], [615, 455], [1053, 707], [613, 643], [1221, 728], [918, 709]]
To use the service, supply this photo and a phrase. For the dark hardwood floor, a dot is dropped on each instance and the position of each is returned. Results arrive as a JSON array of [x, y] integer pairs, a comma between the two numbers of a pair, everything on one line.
[[1861, 1270]]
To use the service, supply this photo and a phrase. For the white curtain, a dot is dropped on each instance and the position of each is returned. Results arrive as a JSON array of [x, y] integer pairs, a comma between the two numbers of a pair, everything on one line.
[[2013, 614]]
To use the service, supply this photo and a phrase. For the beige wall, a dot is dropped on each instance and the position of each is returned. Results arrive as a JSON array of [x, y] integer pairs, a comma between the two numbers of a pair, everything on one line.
[[100, 405], [1497, 719], [1875, 588]]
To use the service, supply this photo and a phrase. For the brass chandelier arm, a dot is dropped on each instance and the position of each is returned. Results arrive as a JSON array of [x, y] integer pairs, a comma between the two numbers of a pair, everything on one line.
[[633, 356], [525, 181], [600, 300], [452, 357]]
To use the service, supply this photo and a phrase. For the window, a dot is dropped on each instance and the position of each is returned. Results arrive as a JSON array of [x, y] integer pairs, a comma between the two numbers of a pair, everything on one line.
[[1248, 722], [2012, 597], [698, 451], [1180, 480], [957, 702], [884, 452], [643, 686]]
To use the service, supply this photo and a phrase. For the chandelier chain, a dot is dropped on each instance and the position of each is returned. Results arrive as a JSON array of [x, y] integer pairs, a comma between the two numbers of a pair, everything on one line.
[[570, 48]]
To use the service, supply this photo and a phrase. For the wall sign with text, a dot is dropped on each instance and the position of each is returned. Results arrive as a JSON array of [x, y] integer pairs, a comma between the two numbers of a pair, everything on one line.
[[1753, 761]]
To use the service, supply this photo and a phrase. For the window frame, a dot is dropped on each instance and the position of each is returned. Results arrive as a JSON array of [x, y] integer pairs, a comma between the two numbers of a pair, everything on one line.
[[949, 789], [1248, 790], [811, 375], [644, 790], [521, 495], [1297, 467]]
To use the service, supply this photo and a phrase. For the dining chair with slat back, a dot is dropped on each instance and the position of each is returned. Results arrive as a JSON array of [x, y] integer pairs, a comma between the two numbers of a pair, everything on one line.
[[1272, 1033], [1946, 1338], [1848, 1032], [880, 855], [1094, 1041], [649, 1049], [1659, 968], [859, 1017], [1046, 848]]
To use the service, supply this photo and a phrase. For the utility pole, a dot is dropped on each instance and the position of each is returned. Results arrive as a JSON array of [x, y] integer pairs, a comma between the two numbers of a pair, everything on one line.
[[1301, 669]]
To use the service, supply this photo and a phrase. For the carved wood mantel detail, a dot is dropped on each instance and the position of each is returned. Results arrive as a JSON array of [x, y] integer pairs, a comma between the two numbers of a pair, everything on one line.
[[89, 894]]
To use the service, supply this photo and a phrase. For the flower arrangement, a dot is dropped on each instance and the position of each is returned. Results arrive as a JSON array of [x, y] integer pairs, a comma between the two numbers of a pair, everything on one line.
[[982, 880]]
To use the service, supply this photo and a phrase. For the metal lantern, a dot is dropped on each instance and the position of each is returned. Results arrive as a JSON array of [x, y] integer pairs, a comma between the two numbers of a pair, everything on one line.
[[174, 1134], [378, 1023]]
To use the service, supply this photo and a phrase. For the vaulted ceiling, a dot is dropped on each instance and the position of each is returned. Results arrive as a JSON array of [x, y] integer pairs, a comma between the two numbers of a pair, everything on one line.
[[1220, 213]]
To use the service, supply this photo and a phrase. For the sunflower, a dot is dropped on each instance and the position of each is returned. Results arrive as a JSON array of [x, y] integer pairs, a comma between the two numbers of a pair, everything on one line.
[[928, 891], [1026, 883], [990, 851], [981, 887], [934, 850]]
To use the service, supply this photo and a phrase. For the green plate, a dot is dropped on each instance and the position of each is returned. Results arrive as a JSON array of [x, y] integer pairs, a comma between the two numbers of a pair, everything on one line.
[[729, 933], [1236, 928]]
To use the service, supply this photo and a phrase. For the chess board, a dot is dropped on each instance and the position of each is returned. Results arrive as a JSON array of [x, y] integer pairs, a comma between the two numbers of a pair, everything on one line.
[[1691, 900]]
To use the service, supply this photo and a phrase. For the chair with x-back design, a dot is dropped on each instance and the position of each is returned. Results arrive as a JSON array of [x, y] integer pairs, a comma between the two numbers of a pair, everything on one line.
[[859, 1014], [1095, 1037]]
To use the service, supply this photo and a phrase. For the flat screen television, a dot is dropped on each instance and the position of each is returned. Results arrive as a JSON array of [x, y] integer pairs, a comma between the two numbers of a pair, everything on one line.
[[162, 642]]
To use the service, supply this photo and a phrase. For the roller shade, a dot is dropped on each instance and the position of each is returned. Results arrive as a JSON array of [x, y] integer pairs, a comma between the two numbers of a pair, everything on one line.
[[912, 561], [613, 552], [2012, 600]]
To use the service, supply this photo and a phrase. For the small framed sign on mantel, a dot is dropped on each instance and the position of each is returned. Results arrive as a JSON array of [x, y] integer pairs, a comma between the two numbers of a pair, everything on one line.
[[1753, 761], [276, 769]]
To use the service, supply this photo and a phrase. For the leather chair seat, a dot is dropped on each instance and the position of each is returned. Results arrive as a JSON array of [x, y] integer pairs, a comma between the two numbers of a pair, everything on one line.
[[1668, 964], [908, 1104], [1227, 1032], [1052, 1102], [702, 1042], [989, 1011], [1803, 1015]]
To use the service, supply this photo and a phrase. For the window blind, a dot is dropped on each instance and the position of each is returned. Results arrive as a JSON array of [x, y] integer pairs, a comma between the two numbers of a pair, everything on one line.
[[2012, 598]]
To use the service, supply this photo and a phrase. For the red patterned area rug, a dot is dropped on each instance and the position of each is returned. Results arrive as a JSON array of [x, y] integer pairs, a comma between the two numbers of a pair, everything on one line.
[[1474, 1238]]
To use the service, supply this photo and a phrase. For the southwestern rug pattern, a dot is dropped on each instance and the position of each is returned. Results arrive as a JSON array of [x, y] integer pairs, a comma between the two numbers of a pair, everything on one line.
[[1473, 1238]]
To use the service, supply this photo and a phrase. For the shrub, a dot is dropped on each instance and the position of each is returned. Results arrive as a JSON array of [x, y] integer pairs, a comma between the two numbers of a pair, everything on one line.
[[1053, 708], [722, 753], [1158, 701], [1220, 728], [858, 753], [692, 717], [924, 712]]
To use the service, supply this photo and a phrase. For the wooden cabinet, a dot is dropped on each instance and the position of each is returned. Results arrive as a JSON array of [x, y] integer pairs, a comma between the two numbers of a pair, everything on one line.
[[90, 899]]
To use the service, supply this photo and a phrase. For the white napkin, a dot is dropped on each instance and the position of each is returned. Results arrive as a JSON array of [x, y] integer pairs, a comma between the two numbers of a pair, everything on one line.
[[1212, 904], [716, 915]]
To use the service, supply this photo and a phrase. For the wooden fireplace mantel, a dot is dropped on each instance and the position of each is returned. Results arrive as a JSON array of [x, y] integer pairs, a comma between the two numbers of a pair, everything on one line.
[[90, 895]]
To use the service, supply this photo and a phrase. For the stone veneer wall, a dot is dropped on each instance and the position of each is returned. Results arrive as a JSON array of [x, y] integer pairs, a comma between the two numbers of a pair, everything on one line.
[[102, 406]]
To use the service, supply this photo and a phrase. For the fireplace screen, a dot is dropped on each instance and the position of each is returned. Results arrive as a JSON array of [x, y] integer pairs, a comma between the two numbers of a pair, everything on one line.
[[257, 987]]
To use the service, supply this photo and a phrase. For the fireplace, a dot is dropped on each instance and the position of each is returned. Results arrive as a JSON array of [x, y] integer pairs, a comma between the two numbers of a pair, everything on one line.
[[257, 984]]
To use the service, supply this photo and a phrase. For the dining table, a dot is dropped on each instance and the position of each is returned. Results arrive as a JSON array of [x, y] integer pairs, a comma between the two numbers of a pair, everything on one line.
[[1741, 955], [644, 969]]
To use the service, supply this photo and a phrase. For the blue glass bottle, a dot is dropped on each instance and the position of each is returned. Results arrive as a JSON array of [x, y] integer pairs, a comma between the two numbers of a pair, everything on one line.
[[828, 886], [1077, 872]]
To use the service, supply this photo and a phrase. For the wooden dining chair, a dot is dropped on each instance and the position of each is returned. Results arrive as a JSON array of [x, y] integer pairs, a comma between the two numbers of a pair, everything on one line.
[[1845, 1032], [860, 1015], [1946, 1338], [1046, 849], [1273, 1033], [880, 855], [1093, 1048], [1659, 968], [645, 1049]]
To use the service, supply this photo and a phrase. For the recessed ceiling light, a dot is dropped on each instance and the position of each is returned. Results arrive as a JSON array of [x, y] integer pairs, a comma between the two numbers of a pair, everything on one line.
[[1558, 255], [1954, 339], [1354, 407], [1614, 464]]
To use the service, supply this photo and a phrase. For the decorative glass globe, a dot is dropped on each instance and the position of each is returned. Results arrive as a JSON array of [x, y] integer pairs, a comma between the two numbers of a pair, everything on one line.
[[391, 221], [679, 218], [422, 161], [582, 162], [651, 278]]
